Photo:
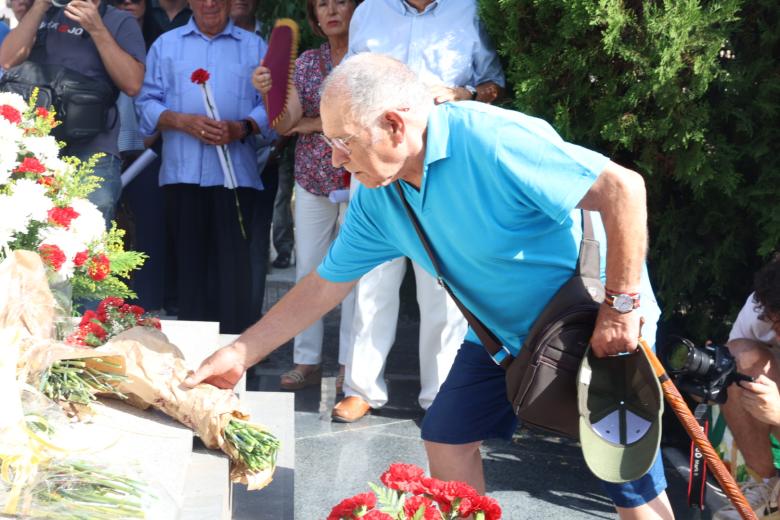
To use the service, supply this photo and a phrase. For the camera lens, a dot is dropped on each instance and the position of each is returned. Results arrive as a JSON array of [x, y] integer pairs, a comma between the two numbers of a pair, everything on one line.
[[678, 356], [684, 358], [60, 3]]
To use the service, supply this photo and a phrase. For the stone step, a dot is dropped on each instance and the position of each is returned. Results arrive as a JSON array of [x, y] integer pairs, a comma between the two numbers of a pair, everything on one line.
[[274, 410]]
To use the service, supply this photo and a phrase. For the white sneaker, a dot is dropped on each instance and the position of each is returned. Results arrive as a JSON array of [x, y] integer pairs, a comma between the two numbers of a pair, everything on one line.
[[762, 497]]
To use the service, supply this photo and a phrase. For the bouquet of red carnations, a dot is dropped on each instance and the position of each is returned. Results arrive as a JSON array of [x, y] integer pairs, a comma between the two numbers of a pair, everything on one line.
[[410, 495]]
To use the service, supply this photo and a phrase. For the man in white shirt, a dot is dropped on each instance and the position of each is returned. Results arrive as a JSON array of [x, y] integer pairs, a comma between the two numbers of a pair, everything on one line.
[[753, 409], [443, 42]]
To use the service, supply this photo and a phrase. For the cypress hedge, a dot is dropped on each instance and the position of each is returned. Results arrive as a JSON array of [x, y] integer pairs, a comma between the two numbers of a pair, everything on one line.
[[685, 92]]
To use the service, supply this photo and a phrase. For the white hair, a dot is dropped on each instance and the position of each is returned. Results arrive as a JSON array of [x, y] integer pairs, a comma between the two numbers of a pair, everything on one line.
[[371, 84]]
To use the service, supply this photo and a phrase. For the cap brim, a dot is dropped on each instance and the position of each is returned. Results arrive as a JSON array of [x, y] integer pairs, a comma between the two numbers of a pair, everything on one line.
[[619, 463]]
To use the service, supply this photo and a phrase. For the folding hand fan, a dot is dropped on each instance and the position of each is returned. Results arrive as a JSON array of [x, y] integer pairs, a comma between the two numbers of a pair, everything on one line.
[[280, 60]]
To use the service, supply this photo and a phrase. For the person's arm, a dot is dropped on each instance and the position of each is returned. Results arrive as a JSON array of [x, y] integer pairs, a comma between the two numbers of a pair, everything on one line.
[[308, 301], [262, 81], [125, 71], [488, 74], [20, 41], [618, 194]]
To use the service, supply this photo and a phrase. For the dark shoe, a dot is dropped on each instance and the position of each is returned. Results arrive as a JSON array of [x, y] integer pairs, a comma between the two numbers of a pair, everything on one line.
[[350, 409], [282, 261]]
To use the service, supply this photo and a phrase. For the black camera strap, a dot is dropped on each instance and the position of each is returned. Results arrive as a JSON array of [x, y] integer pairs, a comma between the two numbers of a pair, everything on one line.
[[697, 482]]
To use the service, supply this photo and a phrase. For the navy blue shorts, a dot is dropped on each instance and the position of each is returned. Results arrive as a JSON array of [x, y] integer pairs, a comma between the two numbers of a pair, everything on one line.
[[475, 393]]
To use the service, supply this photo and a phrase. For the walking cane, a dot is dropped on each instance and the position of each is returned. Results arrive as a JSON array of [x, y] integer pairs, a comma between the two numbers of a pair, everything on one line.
[[690, 424]]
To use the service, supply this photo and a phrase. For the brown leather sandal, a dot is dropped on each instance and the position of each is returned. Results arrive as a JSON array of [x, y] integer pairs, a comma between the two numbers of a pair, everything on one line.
[[298, 380]]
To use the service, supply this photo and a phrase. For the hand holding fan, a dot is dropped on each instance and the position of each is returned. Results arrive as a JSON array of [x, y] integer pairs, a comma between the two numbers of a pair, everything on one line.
[[280, 60]]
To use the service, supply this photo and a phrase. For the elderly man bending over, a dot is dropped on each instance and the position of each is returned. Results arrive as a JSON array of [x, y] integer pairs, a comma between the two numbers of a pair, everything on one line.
[[497, 193]]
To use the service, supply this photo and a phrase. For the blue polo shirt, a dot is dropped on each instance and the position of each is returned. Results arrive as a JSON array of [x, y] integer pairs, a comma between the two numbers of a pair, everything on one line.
[[497, 203]]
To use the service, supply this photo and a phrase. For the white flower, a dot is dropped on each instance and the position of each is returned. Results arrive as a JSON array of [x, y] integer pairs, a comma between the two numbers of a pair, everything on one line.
[[15, 100], [68, 242], [9, 149], [30, 197], [14, 219], [44, 148], [56, 165], [90, 225]]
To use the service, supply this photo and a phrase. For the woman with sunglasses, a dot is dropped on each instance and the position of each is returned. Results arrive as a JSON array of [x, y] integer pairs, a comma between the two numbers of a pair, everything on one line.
[[316, 217]]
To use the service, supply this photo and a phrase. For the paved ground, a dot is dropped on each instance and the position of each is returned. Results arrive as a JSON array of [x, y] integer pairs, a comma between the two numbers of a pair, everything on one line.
[[534, 476]]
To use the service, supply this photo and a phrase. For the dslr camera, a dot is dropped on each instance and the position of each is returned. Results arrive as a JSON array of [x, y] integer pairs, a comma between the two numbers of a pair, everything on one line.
[[703, 372]]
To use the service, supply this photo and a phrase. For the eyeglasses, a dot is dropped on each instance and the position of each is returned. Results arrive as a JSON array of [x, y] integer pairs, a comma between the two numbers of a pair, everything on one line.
[[338, 143]]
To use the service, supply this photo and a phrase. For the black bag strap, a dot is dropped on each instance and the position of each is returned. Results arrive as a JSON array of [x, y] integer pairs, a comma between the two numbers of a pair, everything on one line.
[[500, 353]]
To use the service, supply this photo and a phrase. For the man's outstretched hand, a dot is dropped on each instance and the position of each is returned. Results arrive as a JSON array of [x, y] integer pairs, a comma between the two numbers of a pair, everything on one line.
[[222, 369]]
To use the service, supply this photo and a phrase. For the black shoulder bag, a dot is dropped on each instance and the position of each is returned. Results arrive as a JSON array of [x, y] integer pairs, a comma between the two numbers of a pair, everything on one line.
[[541, 381]]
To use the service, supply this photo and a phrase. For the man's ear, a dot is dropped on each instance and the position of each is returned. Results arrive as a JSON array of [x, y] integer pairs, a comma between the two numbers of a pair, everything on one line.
[[395, 126]]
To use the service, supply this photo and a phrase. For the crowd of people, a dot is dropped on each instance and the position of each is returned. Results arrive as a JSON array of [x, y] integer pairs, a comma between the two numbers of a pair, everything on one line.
[[400, 90]]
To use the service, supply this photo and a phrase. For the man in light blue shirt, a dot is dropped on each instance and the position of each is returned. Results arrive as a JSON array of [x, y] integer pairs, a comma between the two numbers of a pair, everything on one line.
[[211, 252], [498, 195], [444, 43]]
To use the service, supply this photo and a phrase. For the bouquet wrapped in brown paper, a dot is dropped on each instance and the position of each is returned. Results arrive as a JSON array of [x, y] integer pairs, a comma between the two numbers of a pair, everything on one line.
[[62, 372], [155, 369]]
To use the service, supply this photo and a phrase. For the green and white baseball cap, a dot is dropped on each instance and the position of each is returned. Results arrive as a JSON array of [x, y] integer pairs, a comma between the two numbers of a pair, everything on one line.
[[620, 404]]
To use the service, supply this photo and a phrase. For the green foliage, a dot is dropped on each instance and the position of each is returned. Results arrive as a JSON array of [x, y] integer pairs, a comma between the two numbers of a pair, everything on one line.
[[79, 182], [686, 92], [388, 500], [122, 264], [270, 11]]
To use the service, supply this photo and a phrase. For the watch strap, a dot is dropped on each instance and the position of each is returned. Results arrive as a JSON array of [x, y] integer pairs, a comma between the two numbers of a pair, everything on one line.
[[248, 129]]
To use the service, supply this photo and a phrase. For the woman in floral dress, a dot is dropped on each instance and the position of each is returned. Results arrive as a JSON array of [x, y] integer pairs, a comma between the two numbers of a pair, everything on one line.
[[316, 217]]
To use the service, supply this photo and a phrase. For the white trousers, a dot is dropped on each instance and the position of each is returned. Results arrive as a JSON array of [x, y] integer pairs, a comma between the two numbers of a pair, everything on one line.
[[442, 329], [317, 223]]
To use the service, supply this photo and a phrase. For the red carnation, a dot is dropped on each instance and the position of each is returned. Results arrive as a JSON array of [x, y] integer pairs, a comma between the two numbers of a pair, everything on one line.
[[110, 301], [99, 267], [446, 493], [80, 258], [404, 477], [200, 76], [62, 216], [345, 510], [45, 180], [376, 514], [11, 114], [41, 112], [472, 505], [88, 317], [96, 330], [52, 256], [137, 310], [415, 503], [31, 165]]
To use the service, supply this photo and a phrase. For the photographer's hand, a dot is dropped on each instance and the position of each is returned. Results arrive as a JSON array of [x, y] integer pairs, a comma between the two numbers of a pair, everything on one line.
[[86, 14], [762, 400], [615, 332]]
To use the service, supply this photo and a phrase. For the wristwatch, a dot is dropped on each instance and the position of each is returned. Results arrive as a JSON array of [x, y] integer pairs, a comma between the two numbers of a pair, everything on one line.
[[472, 91], [248, 129], [622, 302]]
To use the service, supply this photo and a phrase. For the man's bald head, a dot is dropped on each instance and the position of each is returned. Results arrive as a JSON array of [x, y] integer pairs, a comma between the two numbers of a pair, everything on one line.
[[367, 85]]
